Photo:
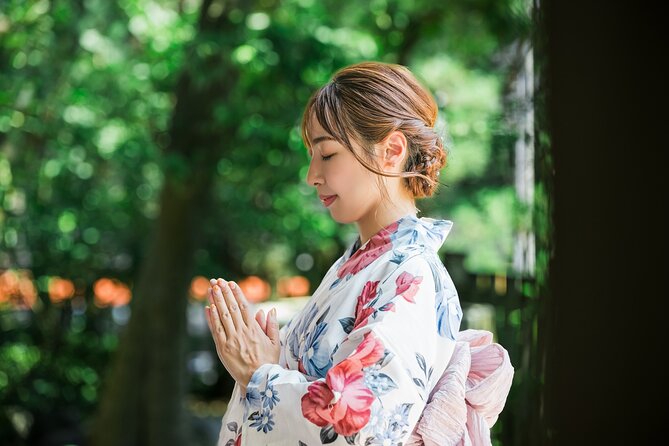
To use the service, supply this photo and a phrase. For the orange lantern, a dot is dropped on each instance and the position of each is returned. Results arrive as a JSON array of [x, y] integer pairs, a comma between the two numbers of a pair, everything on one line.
[[17, 288], [255, 289], [199, 287], [60, 289], [293, 286], [111, 292]]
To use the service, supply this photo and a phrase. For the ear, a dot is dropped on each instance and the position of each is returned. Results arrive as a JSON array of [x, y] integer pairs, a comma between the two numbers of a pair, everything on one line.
[[394, 150]]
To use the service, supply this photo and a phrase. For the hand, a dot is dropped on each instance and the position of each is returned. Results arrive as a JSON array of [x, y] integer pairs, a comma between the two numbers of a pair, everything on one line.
[[243, 343]]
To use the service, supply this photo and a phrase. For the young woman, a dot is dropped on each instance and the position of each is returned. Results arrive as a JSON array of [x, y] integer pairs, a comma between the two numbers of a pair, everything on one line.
[[358, 363]]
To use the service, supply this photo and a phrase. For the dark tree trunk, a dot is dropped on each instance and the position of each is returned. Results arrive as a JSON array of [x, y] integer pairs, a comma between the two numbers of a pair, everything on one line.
[[144, 392]]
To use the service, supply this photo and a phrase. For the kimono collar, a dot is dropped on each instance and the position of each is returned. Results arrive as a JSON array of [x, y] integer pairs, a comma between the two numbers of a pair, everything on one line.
[[407, 231]]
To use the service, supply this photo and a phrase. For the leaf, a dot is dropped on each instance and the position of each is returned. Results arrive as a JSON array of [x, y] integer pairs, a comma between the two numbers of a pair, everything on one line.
[[429, 374], [419, 383], [421, 362], [390, 306], [351, 439], [232, 426], [328, 434], [347, 324], [301, 443], [322, 316], [387, 357]]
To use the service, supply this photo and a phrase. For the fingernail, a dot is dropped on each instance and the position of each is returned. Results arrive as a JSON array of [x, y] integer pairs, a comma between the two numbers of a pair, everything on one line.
[[212, 281], [232, 285]]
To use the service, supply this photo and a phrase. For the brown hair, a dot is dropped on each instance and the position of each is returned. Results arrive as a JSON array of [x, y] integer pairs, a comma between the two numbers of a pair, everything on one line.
[[369, 100]]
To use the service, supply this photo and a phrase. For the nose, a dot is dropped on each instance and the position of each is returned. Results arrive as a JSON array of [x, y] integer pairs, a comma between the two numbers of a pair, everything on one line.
[[314, 177]]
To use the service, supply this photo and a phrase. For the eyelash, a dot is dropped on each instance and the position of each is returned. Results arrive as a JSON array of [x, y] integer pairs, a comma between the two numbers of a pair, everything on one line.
[[325, 158]]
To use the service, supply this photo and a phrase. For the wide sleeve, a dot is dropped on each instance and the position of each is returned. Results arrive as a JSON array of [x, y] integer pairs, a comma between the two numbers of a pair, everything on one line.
[[382, 371]]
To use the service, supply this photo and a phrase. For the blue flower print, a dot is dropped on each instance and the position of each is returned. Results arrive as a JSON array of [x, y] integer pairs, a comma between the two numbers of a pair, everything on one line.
[[378, 382], [317, 361], [262, 420], [376, 423], [449, 313], [270, 397], [253, 397], [399, 418], [297, 336]]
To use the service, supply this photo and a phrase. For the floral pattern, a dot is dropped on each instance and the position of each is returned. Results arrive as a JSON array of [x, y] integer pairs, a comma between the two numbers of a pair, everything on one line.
[[359, 361]]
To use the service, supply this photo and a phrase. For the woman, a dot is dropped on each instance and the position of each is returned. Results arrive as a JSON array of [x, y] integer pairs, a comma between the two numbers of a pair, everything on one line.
[[357, 365]]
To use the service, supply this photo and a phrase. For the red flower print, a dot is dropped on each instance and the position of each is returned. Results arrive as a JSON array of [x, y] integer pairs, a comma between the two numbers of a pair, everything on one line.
[[238, 441], [342, 400], [407, 286], [362, 314], [369, 351], [375, 248]]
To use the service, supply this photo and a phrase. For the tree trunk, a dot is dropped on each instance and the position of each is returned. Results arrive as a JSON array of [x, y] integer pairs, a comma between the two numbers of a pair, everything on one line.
[[143, 395]]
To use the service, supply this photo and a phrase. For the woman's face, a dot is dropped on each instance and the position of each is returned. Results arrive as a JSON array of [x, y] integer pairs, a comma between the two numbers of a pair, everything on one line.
[[345, 186]]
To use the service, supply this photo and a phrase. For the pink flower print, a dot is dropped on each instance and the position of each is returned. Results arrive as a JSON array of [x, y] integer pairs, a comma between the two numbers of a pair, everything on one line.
[[343, 400], [362, 314], [376, 246], [369, 351], [407, 286]]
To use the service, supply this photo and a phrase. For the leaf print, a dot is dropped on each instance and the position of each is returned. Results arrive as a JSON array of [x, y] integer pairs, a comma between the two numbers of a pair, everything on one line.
[[230, 442], [351, 439], [301, 443], [322, 316], [232, 426], [390, 306], [421, 361], [429, 374], [347, 324], [328, 434], [387, 357], [419, 382]]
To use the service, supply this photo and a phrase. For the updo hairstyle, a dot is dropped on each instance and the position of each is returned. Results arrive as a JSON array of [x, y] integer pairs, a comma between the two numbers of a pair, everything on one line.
[[369, 100]]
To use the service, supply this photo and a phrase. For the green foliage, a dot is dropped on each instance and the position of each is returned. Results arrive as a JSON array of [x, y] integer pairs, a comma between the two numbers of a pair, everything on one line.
[[87, 98]]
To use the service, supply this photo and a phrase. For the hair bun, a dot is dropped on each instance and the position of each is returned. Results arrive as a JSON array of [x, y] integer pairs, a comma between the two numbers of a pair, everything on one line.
[[428, 160]]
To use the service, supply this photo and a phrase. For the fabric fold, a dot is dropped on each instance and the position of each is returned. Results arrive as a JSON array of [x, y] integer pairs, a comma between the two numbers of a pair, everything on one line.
[[469, 396]]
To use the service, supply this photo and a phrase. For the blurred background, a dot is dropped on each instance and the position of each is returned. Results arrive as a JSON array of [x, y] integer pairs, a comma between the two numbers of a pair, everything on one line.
[[146, 146]]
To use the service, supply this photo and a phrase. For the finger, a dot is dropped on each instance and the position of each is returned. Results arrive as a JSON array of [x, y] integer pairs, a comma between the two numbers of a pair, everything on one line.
[[223, 312], [215, 325], [242, 302], [262, 321], [273, 326], [233, 305]]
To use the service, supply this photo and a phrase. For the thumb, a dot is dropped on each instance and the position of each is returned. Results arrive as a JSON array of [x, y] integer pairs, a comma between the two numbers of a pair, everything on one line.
[[273, 326]]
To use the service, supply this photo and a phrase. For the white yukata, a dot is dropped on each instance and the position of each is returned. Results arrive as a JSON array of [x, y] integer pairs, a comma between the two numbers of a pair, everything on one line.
[[359, 361]]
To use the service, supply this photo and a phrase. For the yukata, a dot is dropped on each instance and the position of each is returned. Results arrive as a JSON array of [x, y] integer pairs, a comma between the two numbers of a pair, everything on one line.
[[359, 361]]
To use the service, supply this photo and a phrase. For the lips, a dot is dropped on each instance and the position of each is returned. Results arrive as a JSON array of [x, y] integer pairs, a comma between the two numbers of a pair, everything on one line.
[[327, 200]]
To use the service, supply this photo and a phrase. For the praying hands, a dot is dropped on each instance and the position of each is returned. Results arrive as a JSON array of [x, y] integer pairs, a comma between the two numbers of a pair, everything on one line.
[[243, 343]]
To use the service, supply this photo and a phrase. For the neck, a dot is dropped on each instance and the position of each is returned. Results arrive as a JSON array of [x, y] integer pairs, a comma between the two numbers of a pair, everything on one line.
[[382, 217]]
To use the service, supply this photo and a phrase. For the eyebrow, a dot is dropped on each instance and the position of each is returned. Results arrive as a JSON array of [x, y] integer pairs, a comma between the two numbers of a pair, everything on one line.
[[318, 139]]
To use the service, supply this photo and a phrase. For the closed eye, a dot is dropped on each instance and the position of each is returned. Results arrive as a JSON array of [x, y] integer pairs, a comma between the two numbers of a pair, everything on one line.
[[325, 158]]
